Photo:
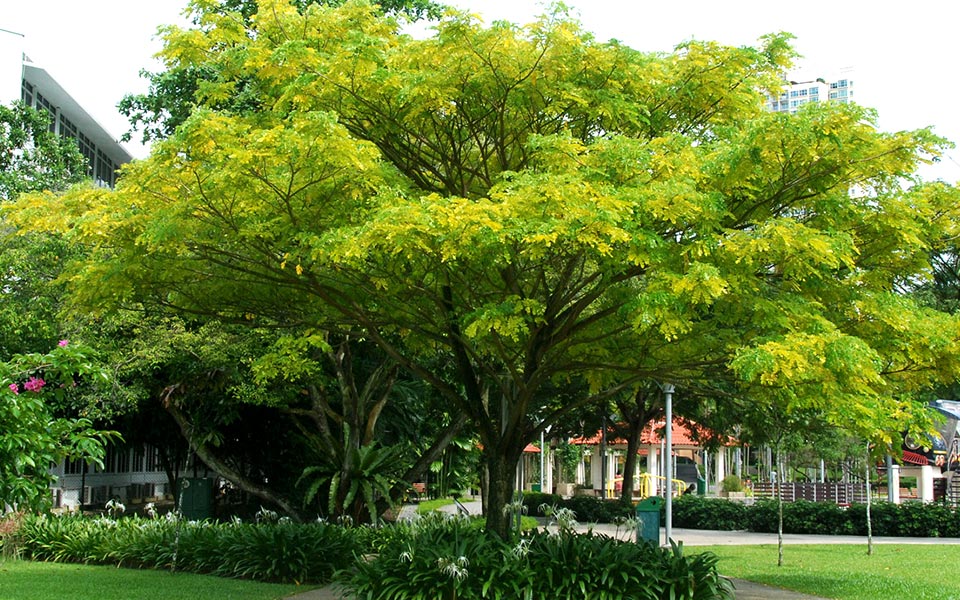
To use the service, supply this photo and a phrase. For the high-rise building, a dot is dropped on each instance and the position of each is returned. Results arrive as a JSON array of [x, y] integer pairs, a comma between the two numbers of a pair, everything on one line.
[[22, 79], [796, 94]]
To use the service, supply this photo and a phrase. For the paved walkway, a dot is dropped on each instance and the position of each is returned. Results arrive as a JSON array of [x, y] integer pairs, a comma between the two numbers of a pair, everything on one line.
[[745, 590]]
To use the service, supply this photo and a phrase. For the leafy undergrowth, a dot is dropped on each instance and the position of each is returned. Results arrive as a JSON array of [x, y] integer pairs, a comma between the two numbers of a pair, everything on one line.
[[273, 552], [845, 572], [21, 579], [452, 559]]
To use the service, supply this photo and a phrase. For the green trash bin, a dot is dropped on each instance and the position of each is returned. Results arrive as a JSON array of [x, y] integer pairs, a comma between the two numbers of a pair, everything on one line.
[[701, 486], [196, 498], [648, 520]]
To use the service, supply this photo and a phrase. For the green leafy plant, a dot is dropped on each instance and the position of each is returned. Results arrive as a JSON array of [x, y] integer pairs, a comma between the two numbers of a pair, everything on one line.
[[356, 485], [450, 558], [731, 483], [699, 512], [276, 552], [33, 437]]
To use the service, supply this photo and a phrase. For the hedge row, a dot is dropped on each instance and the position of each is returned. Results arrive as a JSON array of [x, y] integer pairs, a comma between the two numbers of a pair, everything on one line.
[[909, 519], [274, 552], [588, 509]]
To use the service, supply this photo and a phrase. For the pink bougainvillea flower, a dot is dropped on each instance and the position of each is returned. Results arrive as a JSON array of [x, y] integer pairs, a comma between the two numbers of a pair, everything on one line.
[[34, 384], [14, 388], [63, 343]]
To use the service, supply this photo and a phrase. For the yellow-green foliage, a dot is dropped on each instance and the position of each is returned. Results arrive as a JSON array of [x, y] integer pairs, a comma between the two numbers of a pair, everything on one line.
[[537, 207]]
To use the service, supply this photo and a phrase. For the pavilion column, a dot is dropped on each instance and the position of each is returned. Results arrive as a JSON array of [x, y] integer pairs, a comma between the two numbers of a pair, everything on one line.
[[720, 466], [596, 468], [611, 474], [893, 481], [653, 468], [925, 484], [547, 470]]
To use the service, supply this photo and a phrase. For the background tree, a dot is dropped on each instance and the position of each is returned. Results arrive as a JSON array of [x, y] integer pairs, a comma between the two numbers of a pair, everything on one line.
[[32, 157], [537, 208]]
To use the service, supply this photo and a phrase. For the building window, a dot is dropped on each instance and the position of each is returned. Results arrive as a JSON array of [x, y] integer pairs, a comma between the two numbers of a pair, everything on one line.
[[67, 128], [44, 104], [26, 94], [73, 467]]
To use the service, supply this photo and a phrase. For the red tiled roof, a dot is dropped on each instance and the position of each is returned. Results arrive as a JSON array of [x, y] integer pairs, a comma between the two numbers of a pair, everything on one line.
[[652, 434], [914, 458]]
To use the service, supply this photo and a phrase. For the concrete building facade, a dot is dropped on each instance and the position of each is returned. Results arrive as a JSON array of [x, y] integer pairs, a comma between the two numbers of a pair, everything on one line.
[[795, 94], [22, 79]]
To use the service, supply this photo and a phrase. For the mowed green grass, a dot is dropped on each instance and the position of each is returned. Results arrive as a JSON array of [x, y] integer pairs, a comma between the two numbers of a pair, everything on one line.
[[26, 580], [845, 572]]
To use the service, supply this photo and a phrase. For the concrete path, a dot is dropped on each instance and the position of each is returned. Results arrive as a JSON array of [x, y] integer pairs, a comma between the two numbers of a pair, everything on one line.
[[745, 590]]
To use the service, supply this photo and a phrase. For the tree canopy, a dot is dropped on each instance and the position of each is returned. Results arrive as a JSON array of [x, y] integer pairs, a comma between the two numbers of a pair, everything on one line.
[[536, 207]]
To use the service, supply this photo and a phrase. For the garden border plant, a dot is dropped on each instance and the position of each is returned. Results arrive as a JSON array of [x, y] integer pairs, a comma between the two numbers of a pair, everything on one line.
[[908, 519], [436, 553]]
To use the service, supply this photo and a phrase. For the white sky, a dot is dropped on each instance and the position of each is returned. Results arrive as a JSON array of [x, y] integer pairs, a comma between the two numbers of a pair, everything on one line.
[[903, 55]]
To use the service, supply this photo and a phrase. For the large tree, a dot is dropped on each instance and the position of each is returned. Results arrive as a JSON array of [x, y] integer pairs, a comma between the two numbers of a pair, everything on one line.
[[537, 208]]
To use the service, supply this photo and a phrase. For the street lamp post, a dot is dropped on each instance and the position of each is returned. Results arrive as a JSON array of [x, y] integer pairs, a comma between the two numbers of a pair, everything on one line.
[[603, 456], [668, 461]]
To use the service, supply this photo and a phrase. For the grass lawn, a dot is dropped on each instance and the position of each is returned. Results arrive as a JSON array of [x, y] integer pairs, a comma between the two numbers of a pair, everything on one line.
[[25, 580], [428, 506], [845, 572]]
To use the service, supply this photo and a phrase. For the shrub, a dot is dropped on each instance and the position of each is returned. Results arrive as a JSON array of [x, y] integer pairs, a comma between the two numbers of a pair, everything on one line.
[[449, 558], [590, 509], [532, 501], [913, 519], [10, 524], [275, 552], [804, 516], [731, 483], [762, 516], [918, 519], [699, 512]]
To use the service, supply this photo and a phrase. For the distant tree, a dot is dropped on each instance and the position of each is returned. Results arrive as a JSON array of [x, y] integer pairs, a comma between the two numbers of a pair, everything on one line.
[[32, 157]]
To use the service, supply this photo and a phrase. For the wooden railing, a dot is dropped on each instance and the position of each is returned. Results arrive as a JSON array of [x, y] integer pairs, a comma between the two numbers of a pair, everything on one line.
[[838, 493]]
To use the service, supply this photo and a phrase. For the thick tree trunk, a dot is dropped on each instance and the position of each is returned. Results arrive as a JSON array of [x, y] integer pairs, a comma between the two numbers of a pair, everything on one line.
[[630, 463], [501, 469], [637, 413]]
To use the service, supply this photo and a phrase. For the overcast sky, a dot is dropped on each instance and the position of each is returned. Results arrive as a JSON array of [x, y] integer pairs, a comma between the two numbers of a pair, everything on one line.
[[901, 56]]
